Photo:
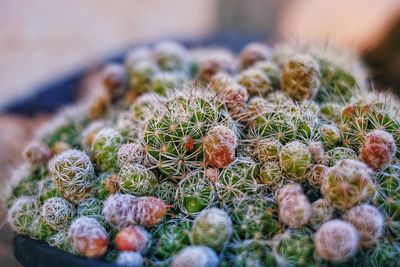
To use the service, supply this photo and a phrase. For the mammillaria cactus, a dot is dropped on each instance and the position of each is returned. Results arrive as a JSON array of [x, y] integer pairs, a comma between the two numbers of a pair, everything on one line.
[[336, 241], [347, 184], [73, 173], [197, 157], [212, 228], [88, 237]]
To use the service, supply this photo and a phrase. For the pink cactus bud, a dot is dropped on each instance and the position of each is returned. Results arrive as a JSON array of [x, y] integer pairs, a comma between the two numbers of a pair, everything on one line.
[[219, 146], [133, 238]]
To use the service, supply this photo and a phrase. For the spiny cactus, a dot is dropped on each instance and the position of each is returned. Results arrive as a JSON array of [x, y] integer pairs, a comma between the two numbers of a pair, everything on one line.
[[212, 228], [252, 53], [330, 135], [22, 214], [88, 237], [295, 160], [347, 184], [107, 184], [368, 221], [270, 175], [74, 174], [130, 154], [336, 241], [195, 256], [57, 212], [105, 147], [254, 218], [194, 193], [322, 212], [267, 149], [61, 240], [133, 238], [92, 208], [300, 77], [135, 179], [295, 248], [294, 209], [256, 82]]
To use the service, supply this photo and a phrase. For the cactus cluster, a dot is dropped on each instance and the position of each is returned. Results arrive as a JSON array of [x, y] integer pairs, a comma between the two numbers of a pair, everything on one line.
[[197, 157]]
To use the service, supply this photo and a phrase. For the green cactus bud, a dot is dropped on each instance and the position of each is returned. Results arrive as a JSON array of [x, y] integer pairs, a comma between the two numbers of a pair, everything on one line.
[[254, 218], [212, 228], [295, 248], [249, 253], [322, 212], [347, 184], [40, 229], [237, 180], [74, 175], [256, 82], [195, 193], [135, 179], [295, 160], [105, 148], [330, 135], [270, 175], [300, 77], [57, 212]]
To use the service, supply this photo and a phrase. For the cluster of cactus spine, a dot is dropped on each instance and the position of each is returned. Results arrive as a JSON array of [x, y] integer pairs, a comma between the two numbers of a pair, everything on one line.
[[194, 157]]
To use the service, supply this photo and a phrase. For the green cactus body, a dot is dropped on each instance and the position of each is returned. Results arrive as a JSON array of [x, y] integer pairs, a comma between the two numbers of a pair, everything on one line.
[[195, 193], [105, 148], [384, 254], [166, 190], [338, 154], [74, 174], [330, 135], [135, 179], [271, 70], [322, 212], [141, 74], [47, 190], [40, 229], [295, 248], [171, 238], [22, 214], [237, 180], [169, 55], [256, 82], [331, 111], [57, 212], [267, 149], [164, 81], [254, 218], [91, 207], [295, 160], [249, 253], [270, 175], [212, 228]]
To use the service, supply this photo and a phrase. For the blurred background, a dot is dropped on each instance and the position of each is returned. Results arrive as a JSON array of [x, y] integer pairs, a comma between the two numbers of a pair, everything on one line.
[[44, 40]]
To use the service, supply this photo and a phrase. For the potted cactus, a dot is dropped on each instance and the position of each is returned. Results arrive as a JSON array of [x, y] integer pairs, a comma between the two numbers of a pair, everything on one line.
[[274, 157]]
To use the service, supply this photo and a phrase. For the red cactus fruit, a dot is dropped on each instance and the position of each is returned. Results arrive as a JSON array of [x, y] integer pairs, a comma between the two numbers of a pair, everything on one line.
[[132, 238]]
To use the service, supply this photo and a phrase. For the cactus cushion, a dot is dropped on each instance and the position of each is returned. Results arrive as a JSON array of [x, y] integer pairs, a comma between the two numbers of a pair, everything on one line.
[[198, 157]]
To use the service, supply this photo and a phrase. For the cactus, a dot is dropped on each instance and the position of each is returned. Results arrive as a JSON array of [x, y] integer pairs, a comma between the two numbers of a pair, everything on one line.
[[219, 146], [253, 53], [295, 248], [322, 212], [270, 175], [256, 82], [330, 135], [129, 259], [384, 254], [195, 256], [130, 154], [295, 160], [105, 147], [336, 241], [172, 237], [254, 218], [294, 209], [194, 193], [133, 238], [92, 208], [135, 179], [169, 55], [249, 253], [338, 154], [88, 237], [74, 175], [300, 77], [237, 180], [267, 149], [234, 97], [212, 228], [271, 70], [37, 153], [166, 190], [117, 210], [347, 184], [378, 149], [61, 240], [22, 214], [57, 212], [368, 221]]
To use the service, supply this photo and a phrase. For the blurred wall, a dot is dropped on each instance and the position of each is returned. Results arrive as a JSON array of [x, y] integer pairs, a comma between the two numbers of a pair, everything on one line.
[[43, 39]]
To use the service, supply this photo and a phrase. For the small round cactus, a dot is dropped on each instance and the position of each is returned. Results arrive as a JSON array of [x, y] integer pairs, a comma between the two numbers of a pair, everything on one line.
[[37, 153], [368, 221], [129, 259], [256, 82], [330, 135], [378, 149], [169, 55], [212, 228], [166, 190], [57, 212], [295, 160], [195, 193], [130, 154], [337, 154], [300, 77], [347, 184], [195, 256], [336, 241], [252, 53], [105, 147], [295, 248], [135, 179], [74, 174], [270, 175], [219, 147], [91, 207], [22, 214], [267, 149], [88, 237], [316, 175], [61, 240], [294, 209], [117, 210], [322, 212], [133, 238], [234, 97]]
